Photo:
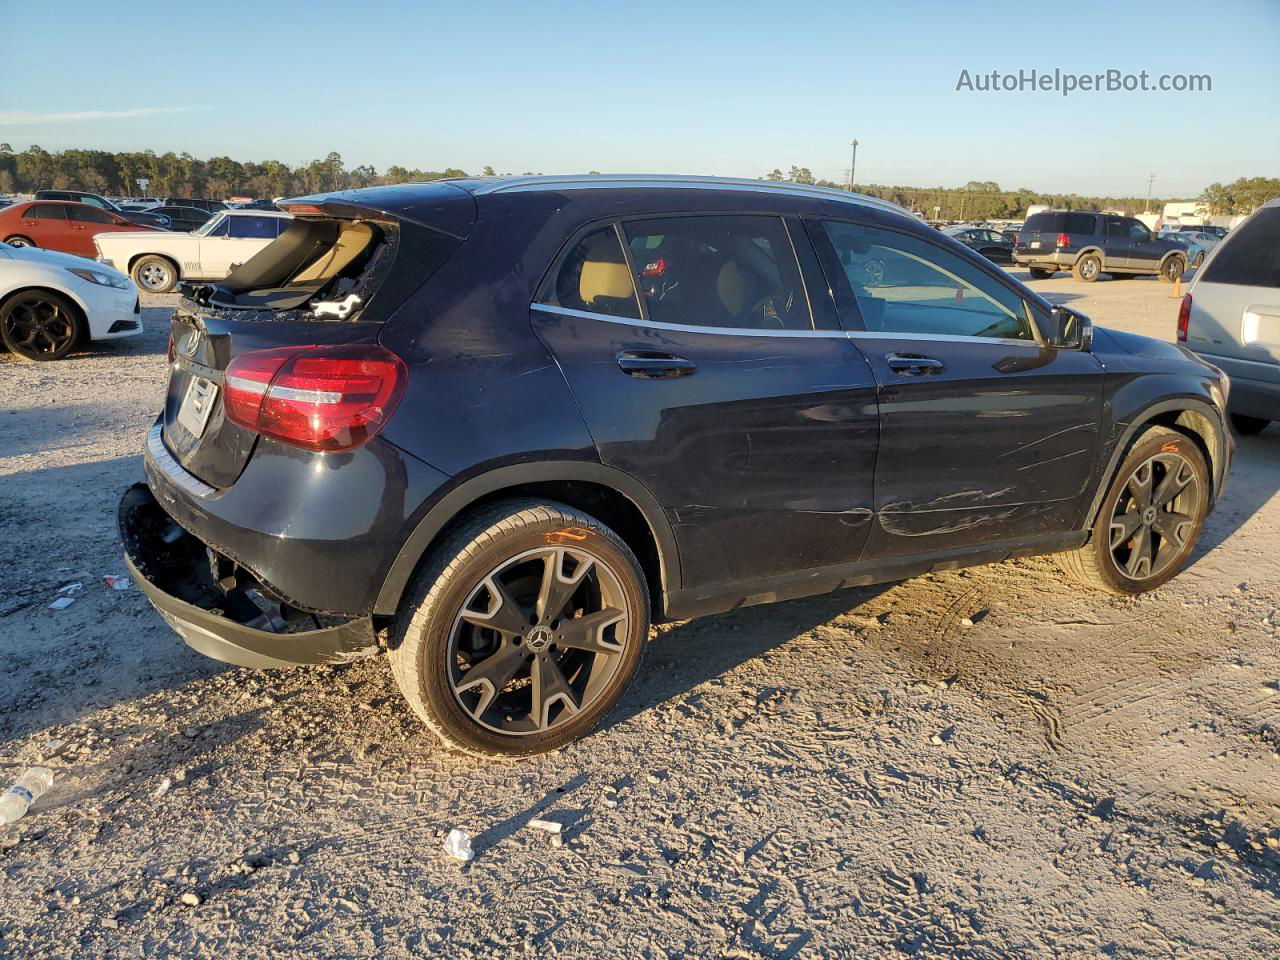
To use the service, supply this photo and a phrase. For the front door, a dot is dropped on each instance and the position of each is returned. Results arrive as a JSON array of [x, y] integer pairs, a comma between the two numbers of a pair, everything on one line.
[[47, 226], [752, 424], [1145, 251], [986, 433], [86, 221]]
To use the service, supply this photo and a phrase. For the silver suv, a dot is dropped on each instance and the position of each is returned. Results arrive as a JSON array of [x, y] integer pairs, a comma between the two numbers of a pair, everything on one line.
[[1231, 317]]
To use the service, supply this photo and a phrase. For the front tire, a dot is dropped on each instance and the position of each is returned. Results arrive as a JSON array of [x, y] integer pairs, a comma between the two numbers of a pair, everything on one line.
[[18, 241], [522, 630], [1149, 520], [40, 325], [1173, 268], [155, 274]]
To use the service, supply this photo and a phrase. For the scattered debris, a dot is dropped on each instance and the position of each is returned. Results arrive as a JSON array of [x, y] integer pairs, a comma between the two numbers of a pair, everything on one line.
[[546, 826], [111, 923], [116, 581], [163, 788], [192, 899], [976, 617], [62, 603], [458, 845], [71, 588]]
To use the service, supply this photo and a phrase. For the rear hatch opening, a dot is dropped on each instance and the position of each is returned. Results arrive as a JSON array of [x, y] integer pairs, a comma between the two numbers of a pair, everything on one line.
[[320, 267]]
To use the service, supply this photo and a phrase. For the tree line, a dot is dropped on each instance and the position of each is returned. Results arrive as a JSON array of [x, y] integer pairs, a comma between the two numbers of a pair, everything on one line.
[[181, 174]]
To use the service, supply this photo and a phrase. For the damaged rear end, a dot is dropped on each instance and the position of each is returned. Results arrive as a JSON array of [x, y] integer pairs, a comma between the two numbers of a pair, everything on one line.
[[272, 507]]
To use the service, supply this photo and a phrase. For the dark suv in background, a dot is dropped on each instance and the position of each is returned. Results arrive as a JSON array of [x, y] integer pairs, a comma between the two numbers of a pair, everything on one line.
[[1091, 244], [495, 427]]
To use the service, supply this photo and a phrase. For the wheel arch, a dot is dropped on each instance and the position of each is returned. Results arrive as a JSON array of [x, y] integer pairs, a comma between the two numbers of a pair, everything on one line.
[[611, 496], [1188, 415], [66, 295], [1085, 251]]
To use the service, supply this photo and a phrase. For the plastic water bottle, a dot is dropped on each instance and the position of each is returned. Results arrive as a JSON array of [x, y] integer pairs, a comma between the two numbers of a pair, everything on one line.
[[17, 800]]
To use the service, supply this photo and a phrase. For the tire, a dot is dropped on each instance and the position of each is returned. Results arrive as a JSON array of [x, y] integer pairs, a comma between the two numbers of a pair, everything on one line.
[[19, 241], [1199, 259], [41, 325], [495, 568], [1173, 268], [1111, 561], [1088, 268], [155, 274], [1247, 426], [1038, 273]]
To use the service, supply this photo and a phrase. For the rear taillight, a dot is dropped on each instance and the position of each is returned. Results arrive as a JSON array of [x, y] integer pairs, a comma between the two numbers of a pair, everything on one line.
[[1064, 241], [1184, 318], [320, 398]]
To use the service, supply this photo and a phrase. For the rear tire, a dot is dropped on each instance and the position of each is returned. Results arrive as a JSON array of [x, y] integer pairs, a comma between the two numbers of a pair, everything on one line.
[[155, 274], [41, 325], [1088, 268], [1138, 545], [1247, 426], [19, 241], [544, 599], [1039, 273]]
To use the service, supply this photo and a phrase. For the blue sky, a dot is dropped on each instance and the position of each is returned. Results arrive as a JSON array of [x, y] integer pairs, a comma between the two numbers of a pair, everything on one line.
[[731, 88]]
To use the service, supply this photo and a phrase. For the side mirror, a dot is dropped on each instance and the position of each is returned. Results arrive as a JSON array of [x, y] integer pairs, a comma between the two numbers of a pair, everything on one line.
[[1069, 330]]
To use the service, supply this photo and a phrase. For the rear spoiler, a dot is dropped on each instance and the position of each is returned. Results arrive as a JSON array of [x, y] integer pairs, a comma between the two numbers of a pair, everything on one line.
[[436, 206]]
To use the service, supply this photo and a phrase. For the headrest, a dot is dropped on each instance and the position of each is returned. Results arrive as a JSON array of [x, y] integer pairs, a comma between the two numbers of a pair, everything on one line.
[[600, 278], [731, 286]]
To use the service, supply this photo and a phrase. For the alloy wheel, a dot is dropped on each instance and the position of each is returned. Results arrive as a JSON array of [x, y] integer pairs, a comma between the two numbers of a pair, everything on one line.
[[538, 640], [38, 327], [1155, 515], [1089, 268], [154, 276]]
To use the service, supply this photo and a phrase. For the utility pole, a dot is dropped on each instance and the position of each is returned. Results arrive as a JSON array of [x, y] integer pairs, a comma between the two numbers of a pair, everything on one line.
[[1150, 180], [853, 162]]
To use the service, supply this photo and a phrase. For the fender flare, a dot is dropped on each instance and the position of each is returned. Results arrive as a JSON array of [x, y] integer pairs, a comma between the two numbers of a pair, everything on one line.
[[513, 476], [1217, 457]]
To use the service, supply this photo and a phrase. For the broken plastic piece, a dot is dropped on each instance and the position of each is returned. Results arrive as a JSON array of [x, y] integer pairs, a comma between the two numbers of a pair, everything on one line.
[[62, 603], [337, 308], [547, 826], [31, 786], [70, 588], [458, 845], [116, 581]]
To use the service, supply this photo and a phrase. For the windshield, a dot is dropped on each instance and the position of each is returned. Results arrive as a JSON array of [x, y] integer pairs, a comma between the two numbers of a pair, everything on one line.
[[204, 228]]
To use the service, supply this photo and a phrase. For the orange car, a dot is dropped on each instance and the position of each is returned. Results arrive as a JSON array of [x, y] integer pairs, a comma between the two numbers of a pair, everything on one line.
[[60, 225]]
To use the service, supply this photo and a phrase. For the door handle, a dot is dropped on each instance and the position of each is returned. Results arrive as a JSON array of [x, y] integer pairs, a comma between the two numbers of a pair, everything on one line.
[[914, 365], [649, 365]]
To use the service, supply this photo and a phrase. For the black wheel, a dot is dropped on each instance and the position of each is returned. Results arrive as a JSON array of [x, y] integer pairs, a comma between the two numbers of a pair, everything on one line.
[[40, 325], [155, 274], [1247, 426], [1039, 273], [522, 630], [1088, 268], [1150, 518], [1173, 268], [17, 241]]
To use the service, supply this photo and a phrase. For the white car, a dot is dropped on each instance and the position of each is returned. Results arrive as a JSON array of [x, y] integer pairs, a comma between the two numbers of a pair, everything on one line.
[[157, 260], [51, 302]]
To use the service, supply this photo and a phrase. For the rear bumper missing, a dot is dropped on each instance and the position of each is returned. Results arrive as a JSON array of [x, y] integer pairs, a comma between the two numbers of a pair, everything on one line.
[[173, 569]]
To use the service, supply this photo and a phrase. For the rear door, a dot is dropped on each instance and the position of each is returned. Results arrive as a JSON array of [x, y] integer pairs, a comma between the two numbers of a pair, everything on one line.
[[46, 224], [986, 433], [1116, 242], [748, 414]]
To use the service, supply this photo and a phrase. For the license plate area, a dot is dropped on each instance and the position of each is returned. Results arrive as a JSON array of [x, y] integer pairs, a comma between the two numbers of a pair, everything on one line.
[[197, 405], [1035, 244]]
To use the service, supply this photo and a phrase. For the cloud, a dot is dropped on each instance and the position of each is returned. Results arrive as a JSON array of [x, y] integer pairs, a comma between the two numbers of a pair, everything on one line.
[[22, 118]]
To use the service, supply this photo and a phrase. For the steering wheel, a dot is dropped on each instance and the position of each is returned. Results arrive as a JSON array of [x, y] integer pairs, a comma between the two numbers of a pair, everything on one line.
[[773, 308]]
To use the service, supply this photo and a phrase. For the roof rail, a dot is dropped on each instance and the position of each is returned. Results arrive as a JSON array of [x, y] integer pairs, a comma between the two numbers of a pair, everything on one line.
[[673, 181]]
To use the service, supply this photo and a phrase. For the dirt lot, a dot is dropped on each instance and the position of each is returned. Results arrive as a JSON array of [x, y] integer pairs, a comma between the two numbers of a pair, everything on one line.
[[853, 775]]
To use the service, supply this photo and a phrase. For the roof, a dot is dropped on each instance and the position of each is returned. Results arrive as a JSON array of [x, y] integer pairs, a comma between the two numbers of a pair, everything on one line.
[[632, 181]]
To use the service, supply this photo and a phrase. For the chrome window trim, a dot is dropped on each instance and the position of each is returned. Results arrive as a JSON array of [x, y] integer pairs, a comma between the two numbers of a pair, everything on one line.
[[633, 181], [687, 328], [942, 338], [159, 454]]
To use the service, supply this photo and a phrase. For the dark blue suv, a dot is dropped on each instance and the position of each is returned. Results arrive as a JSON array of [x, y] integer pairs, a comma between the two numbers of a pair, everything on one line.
[[495, 427], [1091, 244]]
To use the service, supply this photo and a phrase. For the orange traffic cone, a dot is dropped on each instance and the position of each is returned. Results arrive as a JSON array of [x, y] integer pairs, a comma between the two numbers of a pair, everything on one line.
[[1177, 289]]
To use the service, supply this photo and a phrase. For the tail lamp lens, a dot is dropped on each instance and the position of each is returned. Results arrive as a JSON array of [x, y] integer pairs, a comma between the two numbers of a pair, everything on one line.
[[1064, 241], [322, 398], [1184, 318]]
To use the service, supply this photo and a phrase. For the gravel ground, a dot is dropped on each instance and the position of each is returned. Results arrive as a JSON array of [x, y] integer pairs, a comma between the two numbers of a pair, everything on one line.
[[858, 774]]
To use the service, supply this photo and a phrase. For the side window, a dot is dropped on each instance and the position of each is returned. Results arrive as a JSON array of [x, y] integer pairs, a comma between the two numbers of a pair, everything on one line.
[[1083, 223], [1138, 231], [221, 229], [905, 284], [92, 201], [1250, 254], [83, 213], [1116, 230], [719, 271], [258, 228], [47, 211], [593, 276]]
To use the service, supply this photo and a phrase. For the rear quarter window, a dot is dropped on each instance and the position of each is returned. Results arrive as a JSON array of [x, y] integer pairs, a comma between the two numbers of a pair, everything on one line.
[[1250, 256], [1079, 223], [1043, 223]]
